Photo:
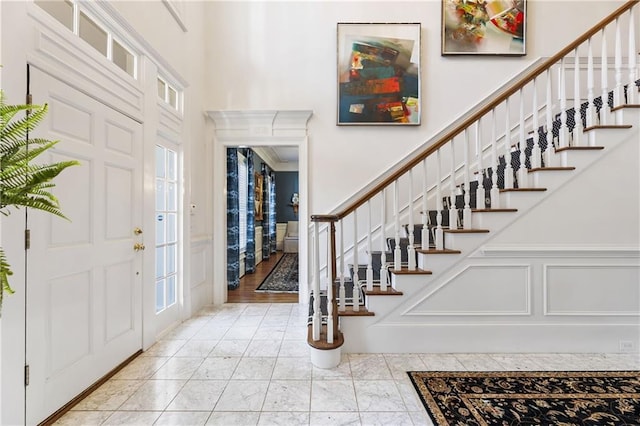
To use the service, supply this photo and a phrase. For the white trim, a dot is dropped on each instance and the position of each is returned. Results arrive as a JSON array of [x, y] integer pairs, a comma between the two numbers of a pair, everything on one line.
[[255, 128], [126, 31], [545, 292], [558, 251], [454, 277], [177, 14]]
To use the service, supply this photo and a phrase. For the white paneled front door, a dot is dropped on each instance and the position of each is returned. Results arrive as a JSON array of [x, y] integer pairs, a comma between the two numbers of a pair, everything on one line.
[[84, 295]]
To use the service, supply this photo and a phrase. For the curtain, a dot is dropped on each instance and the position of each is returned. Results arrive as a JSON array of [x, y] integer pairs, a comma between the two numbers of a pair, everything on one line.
[[250, 260], [272, 212], [266, 217], [233, 226]]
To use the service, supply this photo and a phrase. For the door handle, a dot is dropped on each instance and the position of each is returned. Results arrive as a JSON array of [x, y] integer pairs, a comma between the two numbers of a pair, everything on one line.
[[138, 246], [137, 231]]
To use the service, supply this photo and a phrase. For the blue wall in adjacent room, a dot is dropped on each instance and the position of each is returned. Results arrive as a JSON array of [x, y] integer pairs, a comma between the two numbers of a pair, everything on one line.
[[286, 185]]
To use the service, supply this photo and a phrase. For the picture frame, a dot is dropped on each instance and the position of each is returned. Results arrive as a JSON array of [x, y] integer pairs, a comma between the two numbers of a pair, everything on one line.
[[259, 186], [379, 74], [489, 27]]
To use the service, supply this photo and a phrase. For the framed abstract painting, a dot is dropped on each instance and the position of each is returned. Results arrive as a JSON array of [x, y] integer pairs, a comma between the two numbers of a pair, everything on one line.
[[484, 27], [378, 74]]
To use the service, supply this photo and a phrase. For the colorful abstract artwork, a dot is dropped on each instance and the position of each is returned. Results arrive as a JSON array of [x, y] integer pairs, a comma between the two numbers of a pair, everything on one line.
[[483, 27], [378, 74]]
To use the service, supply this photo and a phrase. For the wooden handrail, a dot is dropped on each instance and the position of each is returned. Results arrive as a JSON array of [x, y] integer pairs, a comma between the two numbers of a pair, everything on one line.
[[459, 128]]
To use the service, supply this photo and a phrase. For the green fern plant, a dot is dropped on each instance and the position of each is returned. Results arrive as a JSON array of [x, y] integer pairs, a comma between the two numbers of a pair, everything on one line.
[[24, 183]]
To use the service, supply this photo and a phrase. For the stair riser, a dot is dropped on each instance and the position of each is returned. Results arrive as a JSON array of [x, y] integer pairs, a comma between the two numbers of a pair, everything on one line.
[[627, 116], [520, 200], [491, 220], [465, 242], [379, 304], [550, 179], [408, 284], [437, 262]]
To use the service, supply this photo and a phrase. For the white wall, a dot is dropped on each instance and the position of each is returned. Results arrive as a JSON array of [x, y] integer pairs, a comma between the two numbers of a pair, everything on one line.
[[282, 55]]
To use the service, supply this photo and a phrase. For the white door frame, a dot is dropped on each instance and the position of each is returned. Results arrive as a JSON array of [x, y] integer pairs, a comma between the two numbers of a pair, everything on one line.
[[255, 129]]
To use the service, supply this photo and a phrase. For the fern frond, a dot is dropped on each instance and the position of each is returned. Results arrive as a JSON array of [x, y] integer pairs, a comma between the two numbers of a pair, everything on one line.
[[5, 273], [24, 182]]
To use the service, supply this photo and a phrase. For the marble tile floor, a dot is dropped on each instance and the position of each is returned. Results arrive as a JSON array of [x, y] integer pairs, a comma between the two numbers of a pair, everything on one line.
[[248, 364]]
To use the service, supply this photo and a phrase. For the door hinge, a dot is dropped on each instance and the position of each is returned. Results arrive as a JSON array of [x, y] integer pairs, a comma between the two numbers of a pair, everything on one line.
[[26, 375], [27, 239]]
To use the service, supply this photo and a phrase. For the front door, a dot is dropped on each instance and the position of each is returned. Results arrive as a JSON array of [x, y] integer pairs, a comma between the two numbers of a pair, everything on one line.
[[84, 295]]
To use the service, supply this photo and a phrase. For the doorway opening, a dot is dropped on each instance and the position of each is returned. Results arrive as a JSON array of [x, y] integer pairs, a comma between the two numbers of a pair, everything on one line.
[[262, 260], [258, 130]]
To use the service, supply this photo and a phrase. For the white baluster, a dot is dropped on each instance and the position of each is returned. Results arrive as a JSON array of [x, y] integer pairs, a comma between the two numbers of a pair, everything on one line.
[[397, 254], [356, 266], [369, 237], [453, 211], [618, 91], [604, 80], [495, 162], [383, 240], [466, 212], [480, 190], [577, 101], [330, 284], [591, 110], [424, 237], [562, 96], [632, 90], [536, 152], [342, 294], [508, 170], [438, 235], [316, 319], [411, 250], [549, 116], [522, 171]]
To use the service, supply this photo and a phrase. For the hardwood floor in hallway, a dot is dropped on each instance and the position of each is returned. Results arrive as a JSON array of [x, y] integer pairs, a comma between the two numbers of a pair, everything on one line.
[[249, 282]]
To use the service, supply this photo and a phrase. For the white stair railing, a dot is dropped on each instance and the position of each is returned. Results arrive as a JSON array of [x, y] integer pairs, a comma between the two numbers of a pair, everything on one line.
[[466, 212], [439, 233], [411, 251], [577, 100], [383, 242], [453, 190], [604, 79], [424, 236], [369, 249]]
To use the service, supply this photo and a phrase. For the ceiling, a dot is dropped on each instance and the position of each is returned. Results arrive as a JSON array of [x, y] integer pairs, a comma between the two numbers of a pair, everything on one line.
[[279, 158]]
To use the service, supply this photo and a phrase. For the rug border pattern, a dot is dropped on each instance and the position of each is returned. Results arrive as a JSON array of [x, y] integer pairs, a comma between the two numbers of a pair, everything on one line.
[[436, 415]]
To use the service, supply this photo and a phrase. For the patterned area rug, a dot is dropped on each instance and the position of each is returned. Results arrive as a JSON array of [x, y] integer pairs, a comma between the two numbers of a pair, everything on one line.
[[284, 276], [530, 397]]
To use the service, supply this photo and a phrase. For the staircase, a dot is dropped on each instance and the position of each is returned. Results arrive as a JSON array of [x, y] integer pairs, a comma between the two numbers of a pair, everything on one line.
[[444, 269]]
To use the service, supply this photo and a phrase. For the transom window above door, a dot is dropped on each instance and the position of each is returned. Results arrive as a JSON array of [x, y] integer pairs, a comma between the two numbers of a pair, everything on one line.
[[97, 34]]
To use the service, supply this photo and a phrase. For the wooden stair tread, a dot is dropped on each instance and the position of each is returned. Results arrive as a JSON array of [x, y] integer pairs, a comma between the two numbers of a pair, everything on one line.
[[490, 210], [607, 126], [435, 251], [405, 271], [377, 291], [619, 107], [548, 169], [579, 148], [523, 190], [338, 340], [349, 312], [466, 231]]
